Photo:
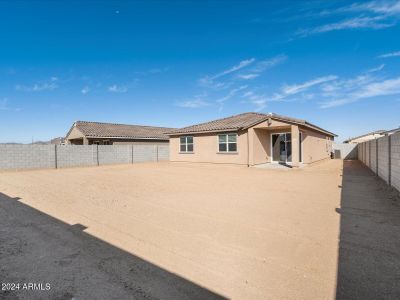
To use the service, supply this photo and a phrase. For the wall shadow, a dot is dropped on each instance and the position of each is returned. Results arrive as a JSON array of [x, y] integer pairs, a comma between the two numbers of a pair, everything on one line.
[[369, 246], [37, 248]]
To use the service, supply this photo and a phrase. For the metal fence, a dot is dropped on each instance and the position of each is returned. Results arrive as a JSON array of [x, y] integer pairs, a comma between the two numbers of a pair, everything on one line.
[[53, 156]]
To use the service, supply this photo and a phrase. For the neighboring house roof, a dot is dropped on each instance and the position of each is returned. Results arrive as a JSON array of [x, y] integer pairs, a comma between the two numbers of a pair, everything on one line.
[[379, 132], [110, 130], [389, 132], [243, 121]]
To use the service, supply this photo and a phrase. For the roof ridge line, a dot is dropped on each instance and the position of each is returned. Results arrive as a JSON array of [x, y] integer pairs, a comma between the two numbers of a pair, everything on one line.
[[105, 123]]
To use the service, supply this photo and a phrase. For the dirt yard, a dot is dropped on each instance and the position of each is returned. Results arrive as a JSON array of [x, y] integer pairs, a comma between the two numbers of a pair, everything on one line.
[[174, 231]]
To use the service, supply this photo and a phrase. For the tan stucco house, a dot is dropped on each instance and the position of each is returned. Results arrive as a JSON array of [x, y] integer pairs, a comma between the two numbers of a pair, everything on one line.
[[251, 139], [88, 133]]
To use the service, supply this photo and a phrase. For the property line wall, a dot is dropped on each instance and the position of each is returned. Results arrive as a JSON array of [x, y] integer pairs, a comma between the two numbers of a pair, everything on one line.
[[382, 156], [346, 151], [19, 157]]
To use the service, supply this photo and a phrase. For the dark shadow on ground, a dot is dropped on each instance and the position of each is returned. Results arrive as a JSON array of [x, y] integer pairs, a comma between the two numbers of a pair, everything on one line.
[[37, 248], [369, 247]]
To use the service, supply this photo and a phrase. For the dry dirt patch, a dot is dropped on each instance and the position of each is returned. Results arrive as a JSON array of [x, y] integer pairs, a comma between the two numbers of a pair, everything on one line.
[[239, 232]]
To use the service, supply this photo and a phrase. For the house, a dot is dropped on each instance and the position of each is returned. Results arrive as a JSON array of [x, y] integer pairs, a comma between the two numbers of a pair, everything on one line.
[[58, 141], [251, 139], [88, 133], [365, 137]]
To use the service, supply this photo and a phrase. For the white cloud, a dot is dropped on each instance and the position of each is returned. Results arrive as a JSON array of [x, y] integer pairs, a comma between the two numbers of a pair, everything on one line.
[[378, 7], [374, 89], [353, 23], [117, 88], [85, 90], [241, 65], [196, 102], [376, 69], [208, 81], [248, 76], [371, 15], [297, 88], [231, 93], [259, 100], [269, 63], [49, 85], [392, 54], [262, 66]]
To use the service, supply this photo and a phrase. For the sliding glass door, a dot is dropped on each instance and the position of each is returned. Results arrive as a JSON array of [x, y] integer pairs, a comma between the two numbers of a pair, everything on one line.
[[282, 147]]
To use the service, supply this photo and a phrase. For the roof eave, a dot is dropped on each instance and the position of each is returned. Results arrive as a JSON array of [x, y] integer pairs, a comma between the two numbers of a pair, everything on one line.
[[205, 131], [125, 137]]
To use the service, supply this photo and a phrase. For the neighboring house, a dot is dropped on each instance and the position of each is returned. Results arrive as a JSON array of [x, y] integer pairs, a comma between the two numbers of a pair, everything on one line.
[[88, 133], [365, 137], [251, 139], [58, 141]]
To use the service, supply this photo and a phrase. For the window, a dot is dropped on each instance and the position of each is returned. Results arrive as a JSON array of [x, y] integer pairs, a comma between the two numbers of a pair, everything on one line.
[[107, 142], [227, 142], [186, 144]]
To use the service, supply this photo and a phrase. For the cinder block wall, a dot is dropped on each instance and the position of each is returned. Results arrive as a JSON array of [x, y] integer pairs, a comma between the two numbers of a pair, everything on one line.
[[382, 156], [373, 156], [163, 153], [27, 156], [395, 160], [76, 156], [50, 156], [367, 158], [145, 153], [116, 154]]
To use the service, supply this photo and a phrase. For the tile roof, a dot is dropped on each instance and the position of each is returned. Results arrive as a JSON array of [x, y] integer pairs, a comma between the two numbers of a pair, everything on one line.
[[380, 131], [242, 121], [110, 130]]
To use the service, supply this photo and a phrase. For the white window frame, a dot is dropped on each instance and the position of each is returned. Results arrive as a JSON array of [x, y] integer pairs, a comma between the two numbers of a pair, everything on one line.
[[186, 144], [227, 142]]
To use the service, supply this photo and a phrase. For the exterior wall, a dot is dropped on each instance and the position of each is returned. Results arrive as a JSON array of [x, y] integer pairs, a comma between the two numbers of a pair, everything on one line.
[[373, 156], [346, 151], [27, 156], [116, 154], [74, 134], [205, 149], [385, 158], [316, 146], [261, 146], [76, 156], [17, 157], [395, 160], [367, 156]]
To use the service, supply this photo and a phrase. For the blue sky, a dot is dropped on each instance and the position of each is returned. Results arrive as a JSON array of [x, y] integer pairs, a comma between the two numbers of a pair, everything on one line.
[[175, 63]]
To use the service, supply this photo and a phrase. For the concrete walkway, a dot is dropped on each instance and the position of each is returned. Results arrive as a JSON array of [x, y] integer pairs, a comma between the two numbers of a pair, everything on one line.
[[369, 248]]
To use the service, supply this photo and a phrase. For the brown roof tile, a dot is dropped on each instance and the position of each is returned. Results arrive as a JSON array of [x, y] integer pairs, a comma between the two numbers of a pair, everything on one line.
[[109, 130], [242, 121]]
